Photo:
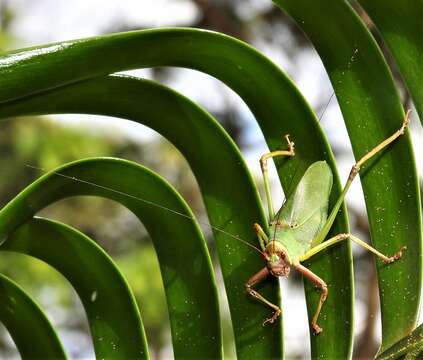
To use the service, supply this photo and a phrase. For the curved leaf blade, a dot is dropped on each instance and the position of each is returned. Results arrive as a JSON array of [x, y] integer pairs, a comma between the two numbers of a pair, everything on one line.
[[120, 96], [191, 337], [409, 344], [372, 112], [276, 104], [195, 134], [99, 284], [43, 341], [401, 29]]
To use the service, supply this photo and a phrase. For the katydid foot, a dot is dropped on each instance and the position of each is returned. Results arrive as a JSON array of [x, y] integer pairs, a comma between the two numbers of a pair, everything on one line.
[[395, 257], [272, 319], [317, 329]]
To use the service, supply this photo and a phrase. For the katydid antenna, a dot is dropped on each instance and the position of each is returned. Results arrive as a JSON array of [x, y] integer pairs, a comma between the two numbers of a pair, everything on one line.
[[152, 203]]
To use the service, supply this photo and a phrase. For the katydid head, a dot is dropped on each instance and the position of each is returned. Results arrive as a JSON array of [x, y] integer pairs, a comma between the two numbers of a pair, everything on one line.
[[277, 259]]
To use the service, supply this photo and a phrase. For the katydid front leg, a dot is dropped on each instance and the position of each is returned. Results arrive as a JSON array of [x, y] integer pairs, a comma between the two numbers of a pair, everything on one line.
[[263, 165], [255, 279]]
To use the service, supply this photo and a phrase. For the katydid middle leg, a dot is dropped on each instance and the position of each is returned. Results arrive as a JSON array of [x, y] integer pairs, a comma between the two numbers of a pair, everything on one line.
[[263, 165], [353, 173]]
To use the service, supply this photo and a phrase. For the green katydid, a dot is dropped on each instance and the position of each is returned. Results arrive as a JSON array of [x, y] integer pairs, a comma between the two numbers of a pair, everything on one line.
[[302, 223], [299, 227]]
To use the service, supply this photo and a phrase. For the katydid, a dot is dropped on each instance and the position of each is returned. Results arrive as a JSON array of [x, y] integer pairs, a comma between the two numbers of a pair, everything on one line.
[[302, 223], [299, 227]]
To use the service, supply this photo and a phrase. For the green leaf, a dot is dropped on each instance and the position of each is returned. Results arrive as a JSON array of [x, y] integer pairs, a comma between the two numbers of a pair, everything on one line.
[[27, 324], [372, 112], [412, 343], [270, 95], [96, 279], [401, 29], [278, 108], [196, 134], [193, 311]]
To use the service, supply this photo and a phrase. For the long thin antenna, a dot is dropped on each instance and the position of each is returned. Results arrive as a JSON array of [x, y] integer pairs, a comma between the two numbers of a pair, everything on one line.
[[152, 203], [326, 106]]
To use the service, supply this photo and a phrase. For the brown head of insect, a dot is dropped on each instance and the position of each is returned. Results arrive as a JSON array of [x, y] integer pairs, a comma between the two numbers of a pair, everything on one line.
[[277, 259]]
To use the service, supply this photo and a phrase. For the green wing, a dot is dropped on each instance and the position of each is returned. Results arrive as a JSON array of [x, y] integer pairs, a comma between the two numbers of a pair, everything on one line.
[[305, 211]]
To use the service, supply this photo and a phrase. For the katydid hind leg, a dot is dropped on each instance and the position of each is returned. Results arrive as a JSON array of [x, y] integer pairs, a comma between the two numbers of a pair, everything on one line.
[[263, 165], [255, 279], [323, 295], [353, 173]]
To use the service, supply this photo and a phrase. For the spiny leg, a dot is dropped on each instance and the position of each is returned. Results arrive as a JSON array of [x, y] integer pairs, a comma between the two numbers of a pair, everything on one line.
[[263, 239], [255, 279], [353, 173], [263, 164], [340, 237], [320, 283]]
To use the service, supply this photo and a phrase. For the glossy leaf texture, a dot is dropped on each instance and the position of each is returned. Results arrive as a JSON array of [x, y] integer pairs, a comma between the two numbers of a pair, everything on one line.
[[278, 108], [115, 323], [401, 29], [112, 90], [411, 344], [372, 111], [193, 311], [194, 136], [27, 324]]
